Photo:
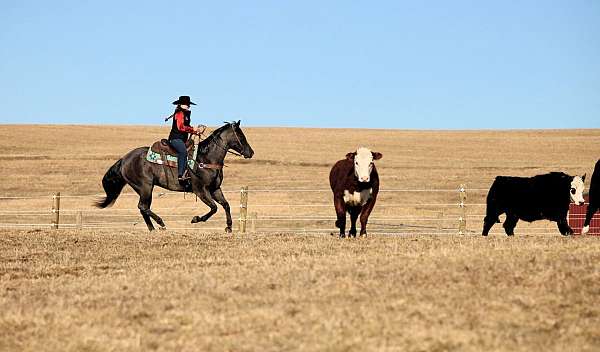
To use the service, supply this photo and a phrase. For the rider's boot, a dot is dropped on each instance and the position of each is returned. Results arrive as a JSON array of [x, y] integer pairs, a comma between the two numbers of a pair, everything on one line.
[[185, 182]]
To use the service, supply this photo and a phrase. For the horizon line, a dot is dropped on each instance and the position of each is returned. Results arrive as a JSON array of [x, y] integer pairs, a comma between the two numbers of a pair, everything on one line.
[[318, 127]]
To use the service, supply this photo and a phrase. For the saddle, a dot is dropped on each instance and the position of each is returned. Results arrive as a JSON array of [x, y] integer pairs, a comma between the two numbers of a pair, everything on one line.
[[162, 153], [163, 146]]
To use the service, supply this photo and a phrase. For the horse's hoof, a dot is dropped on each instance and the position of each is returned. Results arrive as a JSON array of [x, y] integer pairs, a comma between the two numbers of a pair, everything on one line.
[[195, 219], [228, 230], [585, 230]]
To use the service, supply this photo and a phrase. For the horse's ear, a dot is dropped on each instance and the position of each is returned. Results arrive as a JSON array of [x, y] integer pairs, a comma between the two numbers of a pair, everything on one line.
[[350, 156], [583, 178], [376, 155], [238, 122]]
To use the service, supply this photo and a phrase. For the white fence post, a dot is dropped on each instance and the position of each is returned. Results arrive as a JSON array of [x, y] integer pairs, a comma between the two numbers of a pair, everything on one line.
[[243, 208], [55, 210]]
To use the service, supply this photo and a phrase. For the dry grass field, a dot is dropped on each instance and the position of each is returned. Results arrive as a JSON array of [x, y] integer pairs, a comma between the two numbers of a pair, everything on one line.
[[194, 288]]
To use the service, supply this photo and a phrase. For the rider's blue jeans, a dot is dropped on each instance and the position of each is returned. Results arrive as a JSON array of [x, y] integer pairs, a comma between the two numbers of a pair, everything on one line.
[[179, 146]]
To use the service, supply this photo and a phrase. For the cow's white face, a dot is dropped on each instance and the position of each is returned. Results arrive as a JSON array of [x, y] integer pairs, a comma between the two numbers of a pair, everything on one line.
[[577, 187], [363, 163]]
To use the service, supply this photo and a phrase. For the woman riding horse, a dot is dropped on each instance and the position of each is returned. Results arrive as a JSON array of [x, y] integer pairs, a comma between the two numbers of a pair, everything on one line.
[[206, 178], [179, 134]]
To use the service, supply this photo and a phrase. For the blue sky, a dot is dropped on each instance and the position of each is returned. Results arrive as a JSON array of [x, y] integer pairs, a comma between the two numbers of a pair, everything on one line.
[[378, 64]]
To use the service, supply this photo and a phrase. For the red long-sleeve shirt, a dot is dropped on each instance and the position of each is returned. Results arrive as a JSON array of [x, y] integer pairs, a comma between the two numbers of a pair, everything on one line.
[[180, 125]]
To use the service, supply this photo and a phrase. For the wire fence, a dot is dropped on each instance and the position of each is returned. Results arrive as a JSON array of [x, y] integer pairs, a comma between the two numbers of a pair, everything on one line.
[[449, 213]]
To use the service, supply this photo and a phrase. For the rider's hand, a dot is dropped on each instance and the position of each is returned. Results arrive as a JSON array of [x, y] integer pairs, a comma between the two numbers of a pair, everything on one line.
[[199, 130]]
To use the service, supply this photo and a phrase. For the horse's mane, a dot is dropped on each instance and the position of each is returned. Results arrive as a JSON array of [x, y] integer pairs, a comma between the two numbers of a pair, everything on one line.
[[203, 145]]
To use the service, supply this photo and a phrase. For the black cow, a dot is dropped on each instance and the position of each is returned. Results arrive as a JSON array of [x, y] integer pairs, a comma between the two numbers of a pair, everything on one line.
[[594, 198], [533, 198], [355, 184]]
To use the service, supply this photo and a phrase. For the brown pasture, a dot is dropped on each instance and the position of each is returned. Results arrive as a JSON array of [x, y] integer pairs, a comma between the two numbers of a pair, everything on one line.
[[200, 289]]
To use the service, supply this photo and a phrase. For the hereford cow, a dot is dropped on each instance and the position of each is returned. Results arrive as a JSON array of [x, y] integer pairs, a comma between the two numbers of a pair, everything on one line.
[[594, 198], [533, 198], [355, 184]]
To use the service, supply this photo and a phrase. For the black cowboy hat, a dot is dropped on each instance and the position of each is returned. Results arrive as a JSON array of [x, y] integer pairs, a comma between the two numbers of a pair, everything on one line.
[[183, 100]]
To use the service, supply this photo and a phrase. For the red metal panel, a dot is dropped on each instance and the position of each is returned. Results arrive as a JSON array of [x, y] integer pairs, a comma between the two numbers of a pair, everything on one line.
[[577, 218]]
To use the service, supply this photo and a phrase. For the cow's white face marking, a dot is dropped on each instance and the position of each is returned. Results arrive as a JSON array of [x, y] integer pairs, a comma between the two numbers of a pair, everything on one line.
[[357, 198], [363, 164], [577, 187]]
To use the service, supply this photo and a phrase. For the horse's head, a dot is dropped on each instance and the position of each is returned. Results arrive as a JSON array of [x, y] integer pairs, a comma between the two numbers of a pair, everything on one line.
[[236, 140]]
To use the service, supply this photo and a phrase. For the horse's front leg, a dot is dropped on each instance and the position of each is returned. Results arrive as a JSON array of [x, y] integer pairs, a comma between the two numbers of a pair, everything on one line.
[[205, 197], [220, 198]]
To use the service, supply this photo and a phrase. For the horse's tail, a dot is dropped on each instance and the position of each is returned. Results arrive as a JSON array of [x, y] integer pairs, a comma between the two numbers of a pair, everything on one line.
[[113, 182]]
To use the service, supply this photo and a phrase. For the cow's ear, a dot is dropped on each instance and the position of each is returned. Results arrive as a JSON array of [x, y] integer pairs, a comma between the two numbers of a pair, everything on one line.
[[350, 156], [376, 155]]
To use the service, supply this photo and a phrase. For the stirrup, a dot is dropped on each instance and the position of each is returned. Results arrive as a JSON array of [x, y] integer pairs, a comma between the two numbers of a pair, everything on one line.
[[185, 183]]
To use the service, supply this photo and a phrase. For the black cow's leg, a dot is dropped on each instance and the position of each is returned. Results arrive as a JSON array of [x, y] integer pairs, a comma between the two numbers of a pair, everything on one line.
[[510, 223], [487, 225], [491, 217], [340, 211], [563, 227], [591, 210], [354, 212]]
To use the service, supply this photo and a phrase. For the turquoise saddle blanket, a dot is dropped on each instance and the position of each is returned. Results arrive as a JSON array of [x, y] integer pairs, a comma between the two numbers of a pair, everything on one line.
[[171, 161]]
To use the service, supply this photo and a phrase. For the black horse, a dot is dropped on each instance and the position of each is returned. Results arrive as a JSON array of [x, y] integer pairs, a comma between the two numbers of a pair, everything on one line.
[[142, 176]]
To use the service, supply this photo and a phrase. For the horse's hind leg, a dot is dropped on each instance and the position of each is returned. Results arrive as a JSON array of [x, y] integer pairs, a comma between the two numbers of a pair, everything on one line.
[[144, 204], [144, 207], [220, 198], [152, 214]]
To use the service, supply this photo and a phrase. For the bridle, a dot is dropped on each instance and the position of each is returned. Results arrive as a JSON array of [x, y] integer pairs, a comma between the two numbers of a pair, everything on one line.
[[224, 147]]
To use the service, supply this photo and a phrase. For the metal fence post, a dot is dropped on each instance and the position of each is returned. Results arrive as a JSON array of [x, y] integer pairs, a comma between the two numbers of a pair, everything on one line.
[[253, 218], [243, 208], [462, 220], [79, 220], [55, 210], [440, 220]]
